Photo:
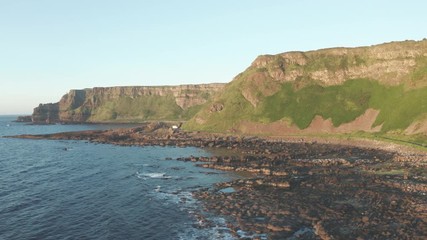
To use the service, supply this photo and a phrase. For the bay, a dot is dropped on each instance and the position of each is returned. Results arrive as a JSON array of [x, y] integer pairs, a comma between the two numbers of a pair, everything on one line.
[[78, 190]]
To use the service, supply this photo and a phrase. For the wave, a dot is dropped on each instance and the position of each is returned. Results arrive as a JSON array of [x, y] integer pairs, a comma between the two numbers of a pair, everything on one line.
[[152, 175]]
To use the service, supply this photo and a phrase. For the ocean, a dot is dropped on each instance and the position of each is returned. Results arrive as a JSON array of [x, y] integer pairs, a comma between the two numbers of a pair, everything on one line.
[[53, 189]]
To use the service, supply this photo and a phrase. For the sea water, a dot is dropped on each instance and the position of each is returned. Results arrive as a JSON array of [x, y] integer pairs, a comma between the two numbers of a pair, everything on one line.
[[54, 189]]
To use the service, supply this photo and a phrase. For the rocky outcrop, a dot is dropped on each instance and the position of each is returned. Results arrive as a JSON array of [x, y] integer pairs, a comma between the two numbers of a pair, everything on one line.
[[110, 103], [389, 63], [24, 119], [46, 113]]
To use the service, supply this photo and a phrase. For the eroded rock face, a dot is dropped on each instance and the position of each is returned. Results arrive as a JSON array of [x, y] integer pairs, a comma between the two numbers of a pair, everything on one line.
[[24, 119], [46, 113], [81, 105], [389, 63]]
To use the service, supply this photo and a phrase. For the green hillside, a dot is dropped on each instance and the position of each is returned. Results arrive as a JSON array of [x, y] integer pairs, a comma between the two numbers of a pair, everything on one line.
[[140, 109], [337, 84], [342, 103], [137, 109]]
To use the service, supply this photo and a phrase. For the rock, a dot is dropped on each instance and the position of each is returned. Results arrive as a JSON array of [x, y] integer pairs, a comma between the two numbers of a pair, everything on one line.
[[46, 113], [321, 232], [365, 219], [82, 105], [278, 228], [24, 119], [216, 107]]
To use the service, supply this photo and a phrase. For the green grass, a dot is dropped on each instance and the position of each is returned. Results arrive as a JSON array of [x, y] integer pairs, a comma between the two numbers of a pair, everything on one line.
[[190, 112], [392, 172], [143, 108], [341, 103], [418, 141], [344, 103], [398, 108], [330, 62], [237, 109], [419, 75]]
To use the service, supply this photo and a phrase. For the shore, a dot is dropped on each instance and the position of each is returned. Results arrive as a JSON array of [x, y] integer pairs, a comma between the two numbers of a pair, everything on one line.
[[299, 188]]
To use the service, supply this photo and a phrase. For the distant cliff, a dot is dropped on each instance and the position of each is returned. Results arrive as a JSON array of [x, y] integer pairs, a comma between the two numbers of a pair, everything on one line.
[[381, 88], [46, 113], [127, 104]]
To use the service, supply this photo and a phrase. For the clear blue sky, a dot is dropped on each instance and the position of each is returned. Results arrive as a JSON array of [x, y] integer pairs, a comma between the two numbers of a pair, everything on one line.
[[50, 46]]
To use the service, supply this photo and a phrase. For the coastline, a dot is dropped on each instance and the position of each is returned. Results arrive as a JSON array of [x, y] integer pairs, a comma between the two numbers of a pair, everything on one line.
[[312, 188]]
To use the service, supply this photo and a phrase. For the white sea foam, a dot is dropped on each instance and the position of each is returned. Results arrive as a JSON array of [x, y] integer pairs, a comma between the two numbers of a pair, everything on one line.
[[217, 231], [154, 175], [243, 234], [184, 200], [146, 176]]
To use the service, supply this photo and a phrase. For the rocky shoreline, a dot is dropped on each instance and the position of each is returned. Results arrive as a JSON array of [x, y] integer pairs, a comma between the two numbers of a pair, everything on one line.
[[299, 188]]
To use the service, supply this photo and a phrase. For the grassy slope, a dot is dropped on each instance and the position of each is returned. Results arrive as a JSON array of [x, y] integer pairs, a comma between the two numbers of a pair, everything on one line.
[[342, 103], [248, 96], [139, 109]]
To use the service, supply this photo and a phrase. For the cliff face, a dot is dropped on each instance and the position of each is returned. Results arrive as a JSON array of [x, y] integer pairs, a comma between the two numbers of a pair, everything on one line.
[[388, 63], [328, 90], [46, 113], [127, 104]]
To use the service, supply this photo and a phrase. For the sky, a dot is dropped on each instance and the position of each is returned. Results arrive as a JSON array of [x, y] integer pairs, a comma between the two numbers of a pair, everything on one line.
[[48, 47]]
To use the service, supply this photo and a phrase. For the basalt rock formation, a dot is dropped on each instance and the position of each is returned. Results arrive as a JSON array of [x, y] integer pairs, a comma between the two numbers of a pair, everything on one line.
[[127, 104], [381, 88], [24, 119], [46, 113]]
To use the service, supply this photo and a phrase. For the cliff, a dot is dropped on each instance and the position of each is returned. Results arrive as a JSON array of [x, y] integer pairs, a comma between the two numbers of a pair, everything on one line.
[[46, 113], [127, 104], [381, 88]]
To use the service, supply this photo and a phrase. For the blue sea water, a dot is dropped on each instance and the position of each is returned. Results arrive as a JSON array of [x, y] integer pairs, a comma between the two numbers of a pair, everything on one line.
[[52, 189]]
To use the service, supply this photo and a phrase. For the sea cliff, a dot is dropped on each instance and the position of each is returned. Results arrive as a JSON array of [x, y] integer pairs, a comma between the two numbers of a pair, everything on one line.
[[380, 88], [127, 104]]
